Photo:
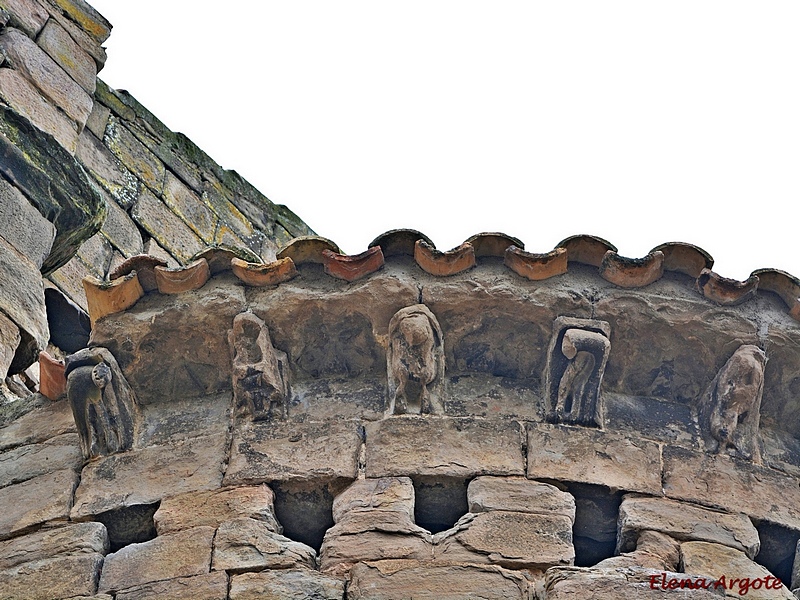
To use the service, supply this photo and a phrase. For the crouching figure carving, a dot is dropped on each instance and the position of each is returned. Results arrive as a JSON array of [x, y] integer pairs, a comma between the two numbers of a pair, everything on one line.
[[576, 362], [103, 403], [415, 361], [731, 409], [260, 371]]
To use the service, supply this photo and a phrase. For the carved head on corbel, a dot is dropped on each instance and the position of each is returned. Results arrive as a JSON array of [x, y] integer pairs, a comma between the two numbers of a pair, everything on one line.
[[415, 361]]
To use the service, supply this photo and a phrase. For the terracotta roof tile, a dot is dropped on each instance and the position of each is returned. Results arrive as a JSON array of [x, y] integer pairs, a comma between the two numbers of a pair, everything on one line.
[[632, 272], [260, 275], [536, 266], [724, 291], [493, 244], [355, 267], [587, 249], [307, 248], [444, 263]]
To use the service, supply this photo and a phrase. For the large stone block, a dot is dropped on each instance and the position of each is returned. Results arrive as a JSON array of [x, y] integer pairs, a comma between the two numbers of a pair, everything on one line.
[[249, 545], [593, 456], [30, 60], [51, 420], [781, 402], [683, 521], [69, 280], [55, 40], [212, 586], [21, 224], [48, 543], [134, 155], [286, 584], [23, 97], [98, 119], [175, 346], [211, 508], [26, 462], [44, 498], [63, 577], [96, 254], [146, 476], [189, 207], [722, 482], [121, 231], [166, 227], [391, 579], [107, 169], [519, 495], [27, 15], [171, 556], [288, 451], [575, 583], [91, 21], [390, 496], [449, 447], [9, 342], [342, 549]]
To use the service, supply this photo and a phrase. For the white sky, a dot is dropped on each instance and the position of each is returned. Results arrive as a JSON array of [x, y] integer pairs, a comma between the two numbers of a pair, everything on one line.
[[641, 122]]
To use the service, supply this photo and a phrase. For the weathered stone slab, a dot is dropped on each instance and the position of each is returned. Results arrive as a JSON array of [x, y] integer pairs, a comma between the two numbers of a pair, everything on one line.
[[21, 224], [9, 342], [23, 97], [98, 119], [55, 40], [781, 402], [30, 60], [61, 577], [91, 21], [713, 561], [683, 521], [96, 253], [134, 155], [520, 495], [575, 583], [189, 207], [27, 15], [146, 476], [166, 227], [520, 540], [152, 248], [175, 346], [52, 419], [449, 447], [286, 451], [286, 584], [107, 169], [211, 508], [71, 539], [721, 482], [391, 579], [373, 497], [121, 231], [43, 498], [249, 545], [69, 279], [26, 462], [166, 557], [593, 456], [212, 586], [343, 547]]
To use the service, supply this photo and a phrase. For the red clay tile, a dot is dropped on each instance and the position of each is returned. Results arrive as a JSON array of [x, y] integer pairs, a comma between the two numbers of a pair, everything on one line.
[[783, 284], [444, 263], [107, 297], [144, 265], [219, 257], [536, 266], [307, 248], [399, 242], [684, 258], [52, 381], [493, 244], [586, 249], [259, 275], [353, 267], [191, 277], [632, 272], [724, 291]]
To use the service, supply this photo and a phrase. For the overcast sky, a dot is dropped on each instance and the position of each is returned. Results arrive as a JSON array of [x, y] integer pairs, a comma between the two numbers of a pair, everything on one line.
[[640, 122]]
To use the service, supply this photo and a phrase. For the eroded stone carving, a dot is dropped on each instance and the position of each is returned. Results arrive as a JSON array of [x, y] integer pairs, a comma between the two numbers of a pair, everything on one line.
[[415, 361], [575, 365], [260, 371], [103, 403], [731, 408]]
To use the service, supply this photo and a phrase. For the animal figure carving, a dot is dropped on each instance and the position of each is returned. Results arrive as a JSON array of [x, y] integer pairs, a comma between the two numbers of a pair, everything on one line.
[[415, 361], [731, 410]]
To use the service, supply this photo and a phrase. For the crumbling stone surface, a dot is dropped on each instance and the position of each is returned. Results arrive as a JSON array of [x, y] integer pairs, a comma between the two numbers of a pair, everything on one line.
[[286, 584], [211, 586]]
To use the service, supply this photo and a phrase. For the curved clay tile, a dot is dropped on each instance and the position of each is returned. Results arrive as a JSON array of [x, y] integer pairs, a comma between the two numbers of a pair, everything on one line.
[[684, 258], [444, 263], [191, 277], [493, 244], [724, 291], [350, 268], [107, 297], [399, 242], [52, 381], [307, 249], [144, 265], [219, 257], [632, 272], [586, 249], [536, 266], [782, 283], [259, 275]]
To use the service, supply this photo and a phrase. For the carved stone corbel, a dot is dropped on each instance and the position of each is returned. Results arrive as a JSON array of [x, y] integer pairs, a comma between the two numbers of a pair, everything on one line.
[[415, 362], [103, 403], [260, 371], [730, 412], [576, 362]]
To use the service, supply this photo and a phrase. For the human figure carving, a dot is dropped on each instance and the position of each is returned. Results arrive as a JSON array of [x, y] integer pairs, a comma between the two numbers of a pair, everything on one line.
[[103, 404], [415, 361], [731, 409], [577, 360], [260, 371]]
